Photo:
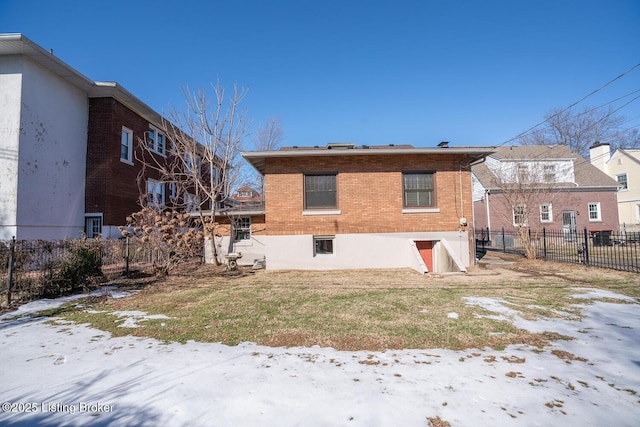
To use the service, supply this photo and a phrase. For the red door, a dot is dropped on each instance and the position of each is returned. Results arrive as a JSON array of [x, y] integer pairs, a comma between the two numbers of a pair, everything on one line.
[[425, 248]]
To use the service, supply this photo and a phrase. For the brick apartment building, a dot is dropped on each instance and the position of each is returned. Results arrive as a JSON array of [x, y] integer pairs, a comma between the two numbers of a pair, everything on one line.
[[346, 206], [67, 161]]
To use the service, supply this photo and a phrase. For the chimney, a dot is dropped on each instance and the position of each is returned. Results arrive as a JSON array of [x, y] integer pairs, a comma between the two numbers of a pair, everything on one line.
[[599, 155]]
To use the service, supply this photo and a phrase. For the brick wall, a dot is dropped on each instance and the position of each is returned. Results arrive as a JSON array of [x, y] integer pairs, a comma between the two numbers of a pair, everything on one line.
[[257, 226], [369, 192], [577, 201], [112, 186]]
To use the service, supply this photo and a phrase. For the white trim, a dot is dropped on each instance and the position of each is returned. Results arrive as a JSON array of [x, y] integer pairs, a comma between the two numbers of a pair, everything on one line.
[[550, 212], [129, 132], [419, 210], [154, 148], [321, 212], [598, 211]]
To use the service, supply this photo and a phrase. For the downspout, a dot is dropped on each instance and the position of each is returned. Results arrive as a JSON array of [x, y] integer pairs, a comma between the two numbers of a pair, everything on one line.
[[486, 197]]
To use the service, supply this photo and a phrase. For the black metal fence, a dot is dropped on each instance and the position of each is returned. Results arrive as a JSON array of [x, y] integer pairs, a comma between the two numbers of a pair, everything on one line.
[[601, 248], [30, 268]]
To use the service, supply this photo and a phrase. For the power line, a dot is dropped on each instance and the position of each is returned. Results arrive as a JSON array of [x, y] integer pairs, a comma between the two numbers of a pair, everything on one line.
[[570, 106]]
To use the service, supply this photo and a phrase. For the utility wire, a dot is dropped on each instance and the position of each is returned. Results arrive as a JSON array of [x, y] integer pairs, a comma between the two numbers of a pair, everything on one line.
[[571, 106]]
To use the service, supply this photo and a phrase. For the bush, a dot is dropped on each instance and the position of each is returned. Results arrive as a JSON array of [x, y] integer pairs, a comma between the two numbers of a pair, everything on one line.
[[75, 273]]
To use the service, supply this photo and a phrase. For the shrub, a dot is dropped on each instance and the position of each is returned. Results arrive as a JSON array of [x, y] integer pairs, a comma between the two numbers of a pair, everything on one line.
[[75, 273]]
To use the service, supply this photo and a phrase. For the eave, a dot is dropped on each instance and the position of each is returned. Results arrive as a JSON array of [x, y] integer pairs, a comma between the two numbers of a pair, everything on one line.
[[258, 159]]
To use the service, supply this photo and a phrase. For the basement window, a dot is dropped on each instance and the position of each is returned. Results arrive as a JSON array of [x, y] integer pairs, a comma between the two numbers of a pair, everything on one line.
[[323, 245]]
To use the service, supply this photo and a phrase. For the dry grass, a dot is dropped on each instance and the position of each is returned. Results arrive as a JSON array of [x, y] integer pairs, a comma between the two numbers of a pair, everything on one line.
[[353, 310]]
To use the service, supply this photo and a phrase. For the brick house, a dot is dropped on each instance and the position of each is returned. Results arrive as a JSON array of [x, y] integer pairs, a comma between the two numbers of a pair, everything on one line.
[[542, 186], [67, 161], [241, 227], [346, 206]]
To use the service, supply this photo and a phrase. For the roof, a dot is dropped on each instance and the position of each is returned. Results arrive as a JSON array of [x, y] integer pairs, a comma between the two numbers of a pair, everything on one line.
[[18, 44], [586, 175], [257, 159], [632, 153]]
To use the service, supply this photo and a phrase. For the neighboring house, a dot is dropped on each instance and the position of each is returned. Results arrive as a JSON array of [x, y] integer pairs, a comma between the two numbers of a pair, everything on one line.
[[67, 143], [542, 186], [247, 196], [623, 166], [344, 206]]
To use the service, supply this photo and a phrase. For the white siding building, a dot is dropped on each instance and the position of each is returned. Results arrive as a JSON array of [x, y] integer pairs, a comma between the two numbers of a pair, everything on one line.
[[43, 137]]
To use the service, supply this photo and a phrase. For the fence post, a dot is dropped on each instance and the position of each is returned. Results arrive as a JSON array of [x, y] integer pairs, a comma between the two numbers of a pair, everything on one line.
[[544, 242], [504, 243], [126, 256], [586, 247], [12, 254]]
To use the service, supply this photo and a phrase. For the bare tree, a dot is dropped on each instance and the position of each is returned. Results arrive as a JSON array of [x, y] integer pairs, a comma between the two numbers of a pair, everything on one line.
[[204, 141], [267, 138], [578, 130], [528, 189]]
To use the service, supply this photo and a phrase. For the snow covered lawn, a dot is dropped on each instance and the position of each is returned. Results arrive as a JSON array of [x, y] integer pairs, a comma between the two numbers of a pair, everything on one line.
[[56, 373]]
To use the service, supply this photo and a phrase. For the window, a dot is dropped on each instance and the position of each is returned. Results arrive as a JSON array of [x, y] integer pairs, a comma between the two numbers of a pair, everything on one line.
[[191, 202], [320, 191], [520, 215], [323, 245], [546, 214], [155, 193], [242, 228], [594, 211], [156, 140], [172, 191], [523, 172], [93, 226], [193, 164], [622, 180], [126, 145], [418, 189], [549, 173]]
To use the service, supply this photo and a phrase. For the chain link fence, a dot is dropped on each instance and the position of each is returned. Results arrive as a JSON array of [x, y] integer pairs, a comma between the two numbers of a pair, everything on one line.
[[33, 269]]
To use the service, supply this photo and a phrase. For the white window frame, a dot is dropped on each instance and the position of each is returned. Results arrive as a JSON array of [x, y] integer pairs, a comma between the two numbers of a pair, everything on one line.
[[549, 212], [242, 225], [597, 211], [626, 181], [155, 193], [156, 140], [126, 135], [523, 213], [93, 219]]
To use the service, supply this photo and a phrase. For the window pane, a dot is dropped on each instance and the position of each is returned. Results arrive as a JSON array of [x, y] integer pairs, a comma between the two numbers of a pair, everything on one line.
[[418, 189], [323, 246], [125, 145], [320, 191], [160, 143], [151, 138]]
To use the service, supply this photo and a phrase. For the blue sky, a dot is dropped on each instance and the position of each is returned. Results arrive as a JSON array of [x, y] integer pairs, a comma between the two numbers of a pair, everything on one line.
[[369, 72]]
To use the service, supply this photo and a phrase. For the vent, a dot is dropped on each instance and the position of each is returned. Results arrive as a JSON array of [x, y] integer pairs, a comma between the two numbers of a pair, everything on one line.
[[340, 145]]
